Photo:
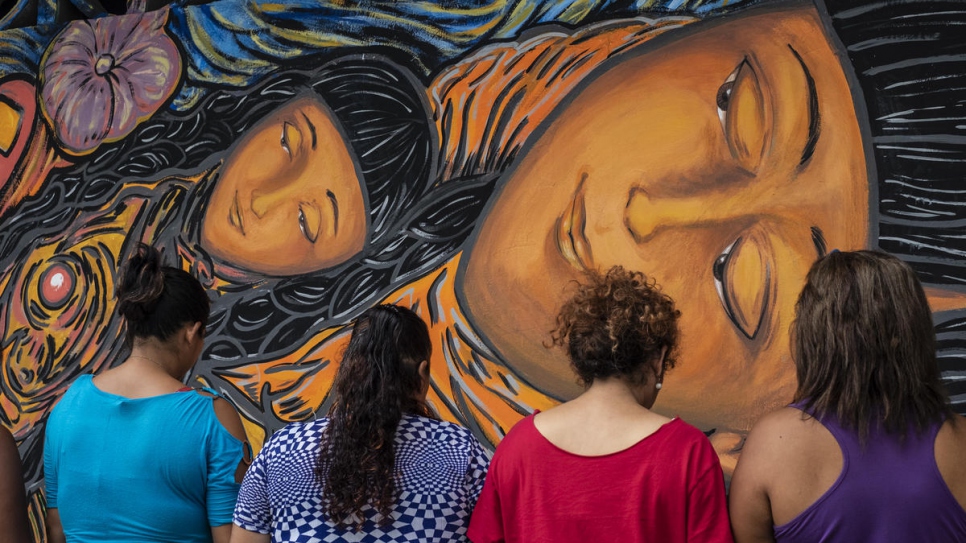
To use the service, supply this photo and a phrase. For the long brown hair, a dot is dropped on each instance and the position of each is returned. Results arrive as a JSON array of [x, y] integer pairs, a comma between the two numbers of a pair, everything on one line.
[[864, 345], [378, 381]]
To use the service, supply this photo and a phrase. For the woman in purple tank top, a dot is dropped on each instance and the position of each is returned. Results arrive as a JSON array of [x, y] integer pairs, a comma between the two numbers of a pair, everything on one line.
[[869, 450]]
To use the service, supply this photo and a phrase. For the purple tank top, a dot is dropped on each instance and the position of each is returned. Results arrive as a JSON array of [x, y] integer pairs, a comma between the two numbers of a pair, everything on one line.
[[887, 492]]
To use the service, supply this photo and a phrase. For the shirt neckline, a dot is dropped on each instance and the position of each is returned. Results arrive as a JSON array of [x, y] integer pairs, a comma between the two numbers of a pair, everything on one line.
[[662, 428], [113, 396]]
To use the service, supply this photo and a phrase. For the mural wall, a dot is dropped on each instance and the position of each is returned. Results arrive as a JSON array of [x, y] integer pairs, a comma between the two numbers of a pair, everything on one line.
[[470, 159]]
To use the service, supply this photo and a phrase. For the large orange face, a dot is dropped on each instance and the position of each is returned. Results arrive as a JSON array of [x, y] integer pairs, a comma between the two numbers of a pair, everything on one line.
[[288, 199], [721, 164]]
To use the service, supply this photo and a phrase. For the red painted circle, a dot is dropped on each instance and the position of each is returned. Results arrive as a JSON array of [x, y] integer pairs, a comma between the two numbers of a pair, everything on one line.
[[56, 285]]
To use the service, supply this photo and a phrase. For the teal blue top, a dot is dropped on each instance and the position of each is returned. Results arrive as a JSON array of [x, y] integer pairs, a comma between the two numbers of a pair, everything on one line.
[[121, 470]]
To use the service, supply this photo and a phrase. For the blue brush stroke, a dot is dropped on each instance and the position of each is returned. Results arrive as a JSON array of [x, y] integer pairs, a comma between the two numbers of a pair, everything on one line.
[[427, 39], [21, 49], [241, 41]]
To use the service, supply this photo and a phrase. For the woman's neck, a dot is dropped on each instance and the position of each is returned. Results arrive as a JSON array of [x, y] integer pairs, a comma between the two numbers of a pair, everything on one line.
[[619, 393], [150, 370], [152, 357], [608, 417]]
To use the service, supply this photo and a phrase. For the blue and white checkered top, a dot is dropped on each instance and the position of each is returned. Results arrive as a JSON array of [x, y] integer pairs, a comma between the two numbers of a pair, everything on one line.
[[440, 470]]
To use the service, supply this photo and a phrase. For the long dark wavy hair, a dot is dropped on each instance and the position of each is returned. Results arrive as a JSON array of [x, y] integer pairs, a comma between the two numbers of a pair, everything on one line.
[[864, 345], [377, 383]]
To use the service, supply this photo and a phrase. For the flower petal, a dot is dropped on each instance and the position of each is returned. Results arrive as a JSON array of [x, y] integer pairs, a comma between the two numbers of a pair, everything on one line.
[[101, 78], [125, 115]]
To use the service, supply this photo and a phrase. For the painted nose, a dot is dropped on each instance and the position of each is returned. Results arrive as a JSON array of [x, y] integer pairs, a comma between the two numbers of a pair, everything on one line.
[[645, 216], [264, 201]]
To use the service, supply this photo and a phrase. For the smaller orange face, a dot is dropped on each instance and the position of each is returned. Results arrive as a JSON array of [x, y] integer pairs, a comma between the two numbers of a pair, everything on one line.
[[289, 199]]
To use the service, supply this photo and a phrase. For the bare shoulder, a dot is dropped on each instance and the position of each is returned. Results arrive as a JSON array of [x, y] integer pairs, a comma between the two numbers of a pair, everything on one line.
[[950, 452], [951, 443], [789, 460], [785, 437], [784, 428], [227, 415], [955, 427]]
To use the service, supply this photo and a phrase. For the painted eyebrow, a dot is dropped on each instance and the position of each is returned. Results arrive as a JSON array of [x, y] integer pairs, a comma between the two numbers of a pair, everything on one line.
[[335, 208], [311, 129], [818, 239], [814, 119]]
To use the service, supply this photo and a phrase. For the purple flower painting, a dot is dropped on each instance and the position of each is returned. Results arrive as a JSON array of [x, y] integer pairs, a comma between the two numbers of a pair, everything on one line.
[[102, 77]]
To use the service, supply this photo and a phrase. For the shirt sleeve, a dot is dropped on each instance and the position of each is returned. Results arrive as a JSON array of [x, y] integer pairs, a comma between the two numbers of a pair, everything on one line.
[[50, 465], [476, 473], [224, 455], [486, 523], [253, 511], [707, 505]]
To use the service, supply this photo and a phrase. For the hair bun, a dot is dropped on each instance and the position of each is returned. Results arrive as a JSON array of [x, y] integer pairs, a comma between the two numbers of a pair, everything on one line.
[[141, 285]]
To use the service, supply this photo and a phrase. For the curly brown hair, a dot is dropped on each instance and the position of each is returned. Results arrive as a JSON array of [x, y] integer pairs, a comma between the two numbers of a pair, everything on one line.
[[377, 383], [616, 322]]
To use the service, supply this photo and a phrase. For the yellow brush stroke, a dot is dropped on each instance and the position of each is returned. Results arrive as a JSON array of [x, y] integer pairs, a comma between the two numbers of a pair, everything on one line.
[[10, 119], [254, 433]]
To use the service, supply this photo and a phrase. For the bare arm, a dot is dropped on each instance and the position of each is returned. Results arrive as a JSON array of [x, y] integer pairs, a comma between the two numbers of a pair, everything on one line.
[[950, 451], [241, 535], [749, 504], [221, 534], [13, 500], [55, 532], [229, 418]]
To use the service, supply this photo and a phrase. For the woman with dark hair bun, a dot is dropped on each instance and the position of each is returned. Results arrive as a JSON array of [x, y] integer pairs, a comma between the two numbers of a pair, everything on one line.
[[171, 184], [870, 449], [132, 454], [381, 466], [604, 467]]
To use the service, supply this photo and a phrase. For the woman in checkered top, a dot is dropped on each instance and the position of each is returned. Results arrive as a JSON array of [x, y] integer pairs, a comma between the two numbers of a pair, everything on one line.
[[380, 467]]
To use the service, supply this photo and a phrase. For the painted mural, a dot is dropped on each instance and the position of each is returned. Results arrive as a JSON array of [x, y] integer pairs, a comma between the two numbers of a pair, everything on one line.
[[307, 160]]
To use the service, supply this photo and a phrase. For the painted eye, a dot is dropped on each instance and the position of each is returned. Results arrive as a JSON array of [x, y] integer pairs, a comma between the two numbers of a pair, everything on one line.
[[307, 231], [718, 271], [741, 112], [284, 141], [291, 139], [723, 98], [742, 277]]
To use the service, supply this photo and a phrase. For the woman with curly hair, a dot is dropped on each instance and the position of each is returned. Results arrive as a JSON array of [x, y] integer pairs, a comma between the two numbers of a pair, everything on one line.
[[380, 466], [603, 466]]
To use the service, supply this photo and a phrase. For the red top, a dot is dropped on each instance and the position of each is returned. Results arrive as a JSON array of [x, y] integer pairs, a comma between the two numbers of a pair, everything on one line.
[[667, 488]]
